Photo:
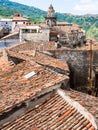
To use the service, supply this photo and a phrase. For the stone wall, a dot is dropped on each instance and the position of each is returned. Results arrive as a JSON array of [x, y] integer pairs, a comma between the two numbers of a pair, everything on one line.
[[78, 61], [95, 57], [42, 36]]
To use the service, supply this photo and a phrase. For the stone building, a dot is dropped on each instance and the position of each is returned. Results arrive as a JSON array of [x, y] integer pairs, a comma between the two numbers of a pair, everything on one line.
[[34, 33], [50, 18], [33, 98], [18, 19], [70, 34], [6, 24], [12, 25]]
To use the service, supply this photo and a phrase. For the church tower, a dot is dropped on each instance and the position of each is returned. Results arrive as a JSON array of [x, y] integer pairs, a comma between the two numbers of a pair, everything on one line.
[[50, 18]]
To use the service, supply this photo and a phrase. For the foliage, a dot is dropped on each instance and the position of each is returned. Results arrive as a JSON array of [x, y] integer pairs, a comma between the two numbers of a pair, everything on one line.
[[88, 22], [8, 8]]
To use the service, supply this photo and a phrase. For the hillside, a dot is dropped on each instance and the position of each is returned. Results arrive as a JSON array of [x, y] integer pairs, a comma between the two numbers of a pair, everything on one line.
[[7, 8], [88, 22]]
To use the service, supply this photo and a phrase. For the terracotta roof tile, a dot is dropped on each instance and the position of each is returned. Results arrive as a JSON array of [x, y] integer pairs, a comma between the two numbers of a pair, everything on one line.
[[92, 128], [34, 46], [55, 113], [87, 47], [87, 101], [89, 125], [40, 58], [5, 66], [68, 28], [59, 23], [19, 19], [14, 88]]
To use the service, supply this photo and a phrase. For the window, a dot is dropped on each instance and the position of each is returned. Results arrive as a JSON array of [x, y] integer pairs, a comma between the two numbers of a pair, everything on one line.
[[34, 31], [27, 31]]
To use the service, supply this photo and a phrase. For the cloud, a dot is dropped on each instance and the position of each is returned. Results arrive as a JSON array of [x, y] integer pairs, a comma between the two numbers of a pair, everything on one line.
[[85, 1], [87, 6]]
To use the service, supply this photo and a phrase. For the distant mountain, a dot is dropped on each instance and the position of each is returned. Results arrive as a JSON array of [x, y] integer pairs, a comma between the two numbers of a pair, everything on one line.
[[8, 8], [89, 22]]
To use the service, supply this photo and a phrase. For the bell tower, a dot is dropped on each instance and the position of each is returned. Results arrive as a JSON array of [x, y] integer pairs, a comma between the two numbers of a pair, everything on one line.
[[50, 18]]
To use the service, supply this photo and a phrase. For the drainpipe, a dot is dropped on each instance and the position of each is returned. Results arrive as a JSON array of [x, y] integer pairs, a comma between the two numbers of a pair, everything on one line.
[[90, 87]]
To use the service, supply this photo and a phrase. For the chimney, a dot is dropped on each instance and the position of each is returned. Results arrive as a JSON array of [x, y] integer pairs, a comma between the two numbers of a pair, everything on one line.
[[41, 47], [34, 54], [5, 54]]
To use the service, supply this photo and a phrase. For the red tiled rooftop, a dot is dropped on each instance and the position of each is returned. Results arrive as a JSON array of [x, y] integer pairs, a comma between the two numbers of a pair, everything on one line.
[[19, 19], [49, 61], [5, 66], [66, 23], [87, 101], [34, 46], [14, 88], [87, 47], [40, 58], [68, 28], [55, 113]]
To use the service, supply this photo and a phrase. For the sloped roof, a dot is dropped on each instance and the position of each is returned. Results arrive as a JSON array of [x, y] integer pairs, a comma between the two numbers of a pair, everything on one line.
[[68, 27], [4, 66], [55, 113], [87, 47], [34, 46], [15, 88], [87, 101], [40, 58], [63, 23], [10, 35], [19, 19]]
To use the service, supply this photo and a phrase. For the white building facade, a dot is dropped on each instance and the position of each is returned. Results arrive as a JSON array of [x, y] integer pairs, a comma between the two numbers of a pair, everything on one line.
[[34, 33], [17, 21], [6, 24]]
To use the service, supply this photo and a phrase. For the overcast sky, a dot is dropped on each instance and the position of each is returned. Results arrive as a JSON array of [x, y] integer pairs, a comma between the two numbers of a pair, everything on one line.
[[65, 6]]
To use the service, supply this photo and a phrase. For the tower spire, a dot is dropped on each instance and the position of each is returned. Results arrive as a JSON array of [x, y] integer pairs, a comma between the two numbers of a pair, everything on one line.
[[50, 18]]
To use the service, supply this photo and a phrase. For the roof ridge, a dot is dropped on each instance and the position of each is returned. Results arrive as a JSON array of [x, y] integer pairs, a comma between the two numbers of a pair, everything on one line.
[[79, 107]]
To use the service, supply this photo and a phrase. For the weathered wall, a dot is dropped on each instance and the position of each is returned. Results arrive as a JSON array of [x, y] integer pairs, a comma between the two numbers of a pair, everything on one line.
[[95, 57], [43, 36], [78, 61]]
